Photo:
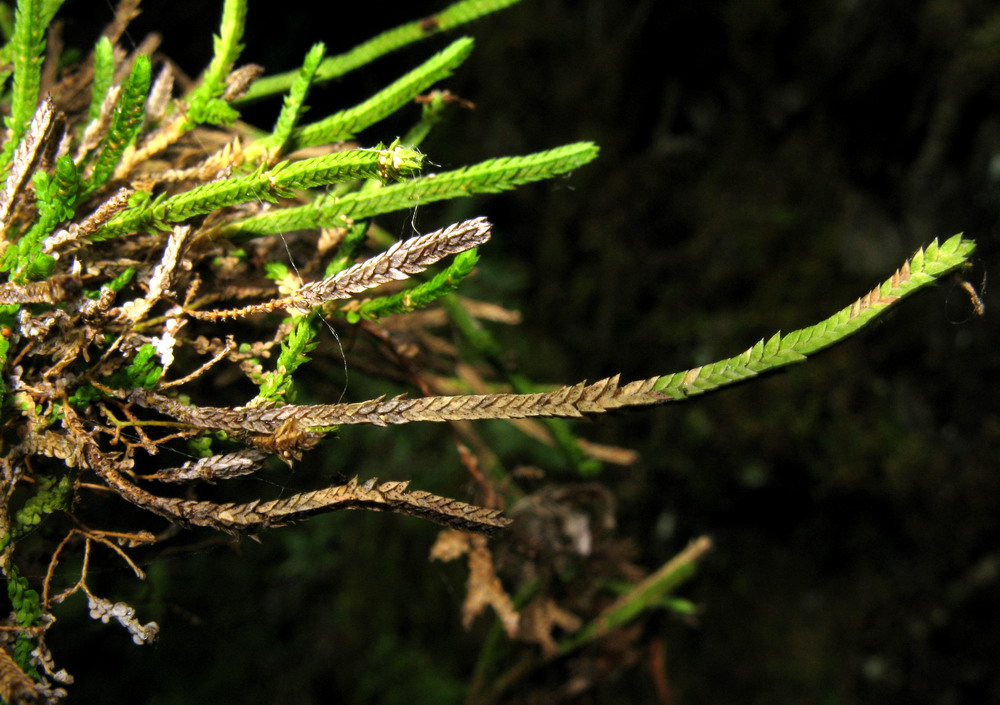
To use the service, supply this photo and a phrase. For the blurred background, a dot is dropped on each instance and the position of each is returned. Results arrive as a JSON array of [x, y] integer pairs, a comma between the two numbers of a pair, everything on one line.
[[763, 164]]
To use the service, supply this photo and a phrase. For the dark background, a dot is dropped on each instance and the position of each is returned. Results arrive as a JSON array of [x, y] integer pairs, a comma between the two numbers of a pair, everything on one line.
[[763, 164]]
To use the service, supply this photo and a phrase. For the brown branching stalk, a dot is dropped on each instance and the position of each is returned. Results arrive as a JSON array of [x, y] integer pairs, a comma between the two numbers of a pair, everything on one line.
[[257, 515], [567, 402]]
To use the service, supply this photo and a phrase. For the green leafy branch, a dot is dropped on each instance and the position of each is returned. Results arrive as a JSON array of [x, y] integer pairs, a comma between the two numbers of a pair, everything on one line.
[[104, 76], [419, 296], [27, 51], [56, 196], [490, 176], [451, 17], [294, 104], [27, 613], [294, 353], [205, 103], [125, 122], [347, 123], [279, 181], [141, 372], [52, 493], [926, 266], [650, 593]]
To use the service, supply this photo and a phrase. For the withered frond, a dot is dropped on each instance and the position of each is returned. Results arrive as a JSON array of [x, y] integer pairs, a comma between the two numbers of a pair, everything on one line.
[[484, 586], [400, 261], [77, 231], [161, 276], [258, 515], [25, 158], [66, 448], [214, 467], [16, 687], [49, 291], [566, 402]]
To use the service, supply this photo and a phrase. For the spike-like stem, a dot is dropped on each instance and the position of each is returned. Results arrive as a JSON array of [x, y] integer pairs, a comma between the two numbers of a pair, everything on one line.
[[925, 267]]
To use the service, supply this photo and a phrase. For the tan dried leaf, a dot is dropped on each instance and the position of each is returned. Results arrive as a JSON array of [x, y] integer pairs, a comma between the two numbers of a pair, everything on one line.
[[48, 291], [77, 231], [217, 164], [161, 276], [289, 441], [97, 129], [125, 12], [159, 94], [239, 80], [485, 589], [449, 545], [540, 617]]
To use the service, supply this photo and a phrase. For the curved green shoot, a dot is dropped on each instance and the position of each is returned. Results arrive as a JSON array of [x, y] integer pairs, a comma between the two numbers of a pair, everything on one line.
[[104, 75], [347, 123], [27, 51], [205, 104], [295, 103], [416, 297], [490, 176], [295, 348], [279, 181], [646, 594], [923, 269], [125, 122], [451, 17]]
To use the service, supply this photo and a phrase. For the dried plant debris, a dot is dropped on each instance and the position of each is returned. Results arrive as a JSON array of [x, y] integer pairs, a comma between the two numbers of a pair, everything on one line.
[[15, 685], [484, 586], [137, 227], [398, 262], [214, 467], [105, 611], [541, 618]]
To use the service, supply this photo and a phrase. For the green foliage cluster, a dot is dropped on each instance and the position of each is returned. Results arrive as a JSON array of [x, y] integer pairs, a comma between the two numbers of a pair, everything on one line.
[[294, 353], [126, 119]]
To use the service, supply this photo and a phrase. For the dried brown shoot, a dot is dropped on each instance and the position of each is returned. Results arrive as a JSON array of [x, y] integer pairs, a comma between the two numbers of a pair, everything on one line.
[[977, 302], [89, 225], [400, 261], [484, 588], [15, 686], [539, 620], [25, 159], [568, 402]]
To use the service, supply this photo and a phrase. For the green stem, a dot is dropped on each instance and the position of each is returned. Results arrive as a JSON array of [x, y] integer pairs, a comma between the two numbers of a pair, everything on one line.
[[451, 17], [490, 176]]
